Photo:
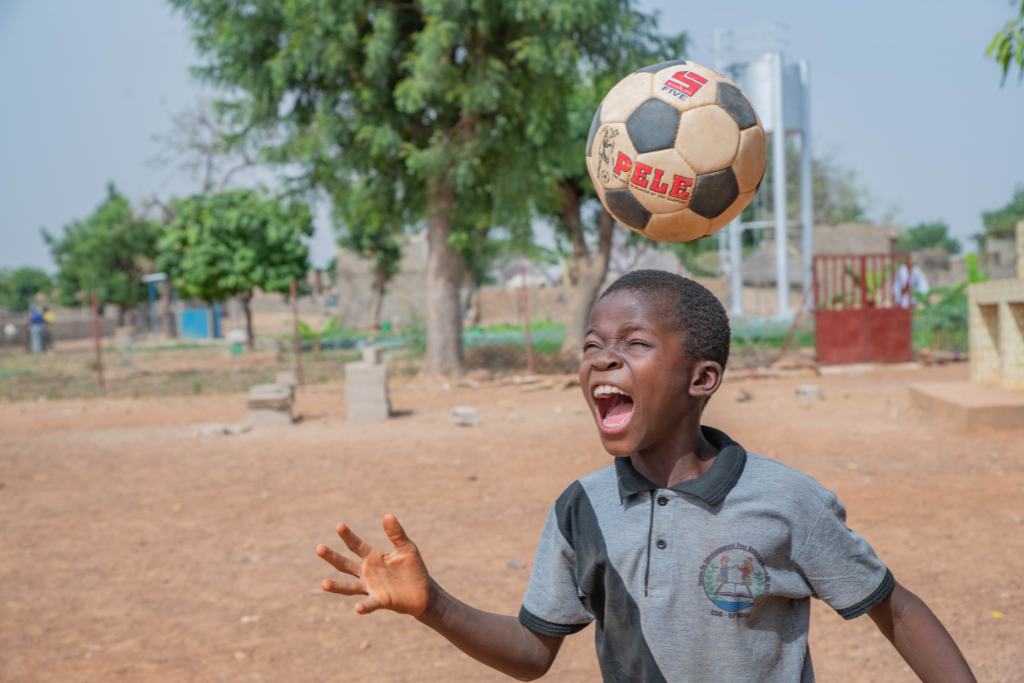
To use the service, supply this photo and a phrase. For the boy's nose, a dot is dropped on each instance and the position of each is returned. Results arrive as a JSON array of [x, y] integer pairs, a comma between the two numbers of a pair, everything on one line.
[[607, 360]]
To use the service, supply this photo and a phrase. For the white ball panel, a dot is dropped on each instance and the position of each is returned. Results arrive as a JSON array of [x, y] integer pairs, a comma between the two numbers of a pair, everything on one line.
[[613, 155], [750, 159], [684, 91], [662, 181], [681, 226], [625, 97], [708, 139]]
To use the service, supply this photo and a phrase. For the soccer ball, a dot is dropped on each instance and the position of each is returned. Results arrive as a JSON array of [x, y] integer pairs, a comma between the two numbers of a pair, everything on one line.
[[676, 151]]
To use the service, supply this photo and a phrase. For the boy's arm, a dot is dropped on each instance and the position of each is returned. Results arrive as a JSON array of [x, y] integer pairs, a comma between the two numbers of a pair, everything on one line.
[[399, 581], [920, 638]]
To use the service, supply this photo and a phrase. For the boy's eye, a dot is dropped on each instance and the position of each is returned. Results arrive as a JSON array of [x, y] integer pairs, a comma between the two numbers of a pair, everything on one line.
[[638, 342]]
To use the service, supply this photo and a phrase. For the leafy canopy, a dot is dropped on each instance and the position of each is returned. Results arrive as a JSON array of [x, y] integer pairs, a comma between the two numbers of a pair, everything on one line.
[[222, 245], [17, 287], [1008, 45], [1002, 222], [838, 196], [374, 101], [106, 253], [929, 235]]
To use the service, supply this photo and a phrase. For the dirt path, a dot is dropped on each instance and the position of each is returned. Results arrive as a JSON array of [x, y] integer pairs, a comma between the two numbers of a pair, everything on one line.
[[134, 550]]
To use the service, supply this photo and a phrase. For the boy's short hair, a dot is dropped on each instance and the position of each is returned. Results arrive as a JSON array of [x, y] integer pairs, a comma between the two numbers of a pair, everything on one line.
[[699, 315]]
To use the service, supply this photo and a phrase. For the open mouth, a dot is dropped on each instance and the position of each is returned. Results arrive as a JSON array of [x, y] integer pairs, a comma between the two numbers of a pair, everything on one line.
[[614, 406]]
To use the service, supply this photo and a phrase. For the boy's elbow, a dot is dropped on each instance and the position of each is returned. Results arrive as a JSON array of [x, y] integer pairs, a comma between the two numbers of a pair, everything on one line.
[[537, 669], [534, 673]]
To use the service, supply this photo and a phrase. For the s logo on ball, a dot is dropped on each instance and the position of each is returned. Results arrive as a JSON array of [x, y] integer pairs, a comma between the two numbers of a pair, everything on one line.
[[676, 151]]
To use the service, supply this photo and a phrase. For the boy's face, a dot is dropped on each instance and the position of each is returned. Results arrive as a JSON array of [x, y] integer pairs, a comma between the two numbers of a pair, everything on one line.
[[642, 387]]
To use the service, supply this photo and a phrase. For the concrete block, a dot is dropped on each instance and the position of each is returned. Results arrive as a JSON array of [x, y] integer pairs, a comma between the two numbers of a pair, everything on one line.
[[810, 392], [270, 404], [371, 355], [969, 406], [465, 416], [261, 417], [287, 379], [366, 392]]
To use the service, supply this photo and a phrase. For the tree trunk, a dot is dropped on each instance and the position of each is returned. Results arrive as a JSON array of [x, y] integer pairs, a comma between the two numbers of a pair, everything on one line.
[[444, 275], [591, 270], [165, 316], [379, 283], [245, 298]]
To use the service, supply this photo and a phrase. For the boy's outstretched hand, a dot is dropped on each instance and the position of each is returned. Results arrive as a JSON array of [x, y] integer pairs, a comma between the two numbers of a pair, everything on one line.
[[397, 581]]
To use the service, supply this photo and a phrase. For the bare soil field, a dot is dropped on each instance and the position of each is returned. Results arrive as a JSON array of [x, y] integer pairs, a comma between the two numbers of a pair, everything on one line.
[[133, 549]]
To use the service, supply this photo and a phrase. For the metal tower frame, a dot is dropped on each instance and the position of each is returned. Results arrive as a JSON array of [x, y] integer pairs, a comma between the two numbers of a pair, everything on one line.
[[780, 91]]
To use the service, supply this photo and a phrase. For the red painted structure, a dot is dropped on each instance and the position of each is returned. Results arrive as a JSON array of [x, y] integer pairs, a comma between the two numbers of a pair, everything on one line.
[[859, 315]]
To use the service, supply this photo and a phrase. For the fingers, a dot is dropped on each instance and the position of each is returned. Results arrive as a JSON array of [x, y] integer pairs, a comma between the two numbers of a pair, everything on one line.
[[343, 587], [339, 561], [367, 606], [396, 534], [354, 543]]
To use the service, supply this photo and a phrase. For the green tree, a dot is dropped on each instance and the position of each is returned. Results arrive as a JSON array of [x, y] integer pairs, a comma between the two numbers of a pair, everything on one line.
[[1002, 222], [929, 235], [108, 253], [226, 244], [450, 101], [371, 216], [17, 287], [627, 42], [1008, 45], [838, 197]]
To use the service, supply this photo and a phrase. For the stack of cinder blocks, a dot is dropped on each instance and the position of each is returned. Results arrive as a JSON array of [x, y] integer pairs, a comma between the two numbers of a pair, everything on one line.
[[996, 327], [366, 388], [271, 404]]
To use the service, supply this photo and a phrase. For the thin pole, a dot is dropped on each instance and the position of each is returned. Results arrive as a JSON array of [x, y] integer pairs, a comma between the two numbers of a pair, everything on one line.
[[298, 342], [736, 268], [806, 186], [100, 386], [782, 309], [526, 321]]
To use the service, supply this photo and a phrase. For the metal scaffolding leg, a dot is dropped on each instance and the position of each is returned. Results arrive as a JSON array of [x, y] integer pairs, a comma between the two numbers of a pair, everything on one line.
[[779, 195], [806, 190], [736, 269]]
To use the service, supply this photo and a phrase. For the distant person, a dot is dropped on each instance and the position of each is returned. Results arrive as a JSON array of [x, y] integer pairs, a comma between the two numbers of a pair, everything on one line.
[[902, 294], [36, 324], [696, 558]]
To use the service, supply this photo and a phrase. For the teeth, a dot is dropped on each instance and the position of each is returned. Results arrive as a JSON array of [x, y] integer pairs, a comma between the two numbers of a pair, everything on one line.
[[604, 390]]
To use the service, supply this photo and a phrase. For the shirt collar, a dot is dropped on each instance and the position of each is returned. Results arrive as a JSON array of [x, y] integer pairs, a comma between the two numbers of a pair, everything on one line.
[[712, 487]]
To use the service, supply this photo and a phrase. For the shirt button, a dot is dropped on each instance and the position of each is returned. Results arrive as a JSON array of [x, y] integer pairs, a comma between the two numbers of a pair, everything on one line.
[[662, 500], [661, 544]]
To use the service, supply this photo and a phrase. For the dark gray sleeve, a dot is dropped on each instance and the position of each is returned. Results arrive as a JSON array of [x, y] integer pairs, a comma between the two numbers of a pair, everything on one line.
[[841, 566], [552, 604]]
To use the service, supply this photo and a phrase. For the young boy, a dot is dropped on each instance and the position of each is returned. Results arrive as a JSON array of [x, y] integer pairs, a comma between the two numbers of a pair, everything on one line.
[[696, 558]]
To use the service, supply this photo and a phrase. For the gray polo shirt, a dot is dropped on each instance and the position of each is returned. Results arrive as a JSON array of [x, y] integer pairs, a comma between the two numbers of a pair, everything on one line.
[[710, 579]]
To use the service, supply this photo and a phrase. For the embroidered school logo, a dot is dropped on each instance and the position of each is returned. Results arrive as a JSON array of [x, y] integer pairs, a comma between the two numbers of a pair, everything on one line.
[[734, 576]]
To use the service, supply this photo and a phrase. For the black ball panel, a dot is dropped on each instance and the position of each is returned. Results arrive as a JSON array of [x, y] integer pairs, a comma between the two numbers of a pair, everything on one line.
[[653, 126], [655, 68], [732, 100], [627, 209], [594, 125], [714, 192]]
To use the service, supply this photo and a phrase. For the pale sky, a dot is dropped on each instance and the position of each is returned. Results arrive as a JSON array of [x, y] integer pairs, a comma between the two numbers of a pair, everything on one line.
[[902, 93]]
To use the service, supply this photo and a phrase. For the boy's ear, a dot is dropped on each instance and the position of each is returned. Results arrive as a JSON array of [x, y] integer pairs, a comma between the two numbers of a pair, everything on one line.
[[707, 377]]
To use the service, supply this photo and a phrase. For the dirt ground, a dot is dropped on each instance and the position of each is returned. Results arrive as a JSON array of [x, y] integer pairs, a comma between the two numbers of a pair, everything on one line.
[[133, 549]]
